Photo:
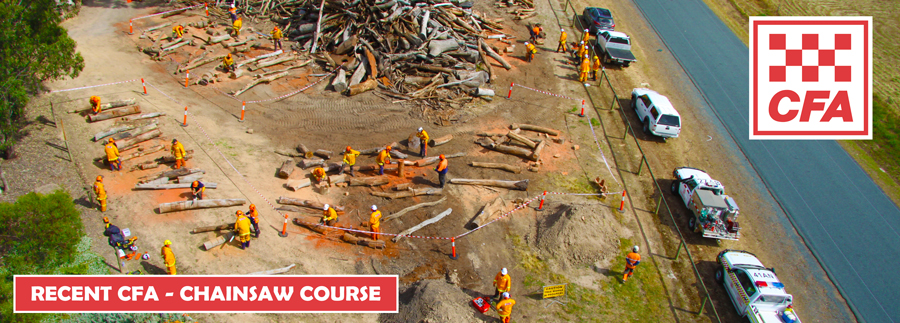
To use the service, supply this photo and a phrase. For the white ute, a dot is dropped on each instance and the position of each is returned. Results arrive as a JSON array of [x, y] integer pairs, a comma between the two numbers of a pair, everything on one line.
[[713, 213], [656, 113], [755, 290]]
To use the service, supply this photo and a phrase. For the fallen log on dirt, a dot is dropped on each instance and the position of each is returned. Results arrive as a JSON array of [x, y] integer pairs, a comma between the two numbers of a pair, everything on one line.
[[307, 163], [171, 159], [273, 271], [226, 226], [239, 43], [512, 150], [513, 185], [288, 153], [143, 116], [174, 12], [368, 85], [522, 139], [257, 58], [368, 181], [158, 27], [152, 186], [489, 212], [399, 155], [287, 167], [363, 241], [303, 150], [129, 143], [266, 79], [135, 132], [402, 187], [112, 131], [490, 51], [190, 178], [217, 39], [297, 184], [413, 208], [312, 227], [431, 160], [325, 154], [198, 204], [110, 105], [340, 81], [441, 140], [536, 155], [372, 151], [410, 193], [534, 128], [175, 173], [218, 241], [506, 167], [144, 152], [422, 225], [201, 63], [307, 204], [109, 114], [145, 165]]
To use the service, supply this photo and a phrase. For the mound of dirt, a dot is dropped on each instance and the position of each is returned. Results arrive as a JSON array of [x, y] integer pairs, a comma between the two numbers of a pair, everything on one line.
[[436, 301], [578, 234]]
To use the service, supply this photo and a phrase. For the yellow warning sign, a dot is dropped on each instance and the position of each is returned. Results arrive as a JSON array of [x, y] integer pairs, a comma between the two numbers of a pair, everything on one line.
[[554, 291]]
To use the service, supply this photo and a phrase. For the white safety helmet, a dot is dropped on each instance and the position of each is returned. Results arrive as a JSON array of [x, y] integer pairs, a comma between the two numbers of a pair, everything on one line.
[[374, 208], [526, 43], [505, 295], [636, 249], [145, 256], [326, 207], [562, 29], [585, 56], [504, 271], [585, 30], [420, 129], [582, 42]]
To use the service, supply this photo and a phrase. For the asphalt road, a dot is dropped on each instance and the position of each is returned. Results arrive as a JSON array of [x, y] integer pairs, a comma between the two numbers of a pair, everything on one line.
[[846, 220]]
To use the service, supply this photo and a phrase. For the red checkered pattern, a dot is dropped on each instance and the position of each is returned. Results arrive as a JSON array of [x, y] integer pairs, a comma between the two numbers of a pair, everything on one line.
[[794, 58]]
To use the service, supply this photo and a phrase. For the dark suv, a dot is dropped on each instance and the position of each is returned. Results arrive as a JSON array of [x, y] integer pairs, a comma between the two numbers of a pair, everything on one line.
[[597, 19]]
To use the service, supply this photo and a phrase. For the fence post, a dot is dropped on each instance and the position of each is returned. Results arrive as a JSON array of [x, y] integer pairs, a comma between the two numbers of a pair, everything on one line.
[[613, 103], [678, 252], [627, 128], [641, 165], [659, 204], [703, 306]]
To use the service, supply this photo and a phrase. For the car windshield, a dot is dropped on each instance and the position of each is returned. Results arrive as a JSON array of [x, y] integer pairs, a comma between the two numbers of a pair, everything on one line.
[[669, 120], [771, 299], [605, 21], [618, 40]]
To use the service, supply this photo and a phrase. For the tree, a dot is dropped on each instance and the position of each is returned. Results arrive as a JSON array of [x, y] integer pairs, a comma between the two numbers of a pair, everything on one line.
[[33, 48]]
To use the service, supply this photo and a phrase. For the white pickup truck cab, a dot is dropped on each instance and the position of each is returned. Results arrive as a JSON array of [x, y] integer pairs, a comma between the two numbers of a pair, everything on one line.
[[656, 113], [755, 291]]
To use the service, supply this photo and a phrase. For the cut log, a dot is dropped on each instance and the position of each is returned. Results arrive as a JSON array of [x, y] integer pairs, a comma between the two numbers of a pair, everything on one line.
[[402, 187], [410, 193], [266, 79], [190, 178], [346, 45], [174, 12], [422, 225], [521, 152], [362, 241], [431, 160], [506, 167], [307, 163], [257, 58], [488, 65], [287, 167], [368, 181], [239, 43], [143, 116], [340, 81], [325, 154], [144, 152], [145, 165], [218, 241], [413, 208], [110, 105], [535, 128], [522, 139], [307, 204], [158, 27], [495, 56], [288, 153], [302, 149], [373, 64], [273, 62], [201, 63], [312, 227], [513, 185], [198, 204], [112, 131], [489, 212], [217, 39], [397, 154], [536, 155], [436, 47], [358, 75], [151, 186], [131, 142], [226, 226], [273, 271], [401, 168], [109, 114], [441, 140], [174, 47], [297, 184], [372, 151], [171, 159], [175, 173], [368, 85], [136, 132], [414, 142]]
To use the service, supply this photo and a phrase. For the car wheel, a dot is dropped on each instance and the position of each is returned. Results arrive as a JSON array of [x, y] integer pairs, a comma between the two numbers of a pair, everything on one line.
[[634, 102], [646, 126], [626, 64], [720, 275]]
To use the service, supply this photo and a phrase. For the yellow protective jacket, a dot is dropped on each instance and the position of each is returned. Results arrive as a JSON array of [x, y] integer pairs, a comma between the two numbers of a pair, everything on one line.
[[329, 214], [276, 34], [168, 256], [242, 226], [585, 65], [531, 48], [424, 136], [504, 307], [237, 24], [375, 219], [350, 157], [596, 64], [582, 49], [99, 190], [562, 37], [502, 282], [178, 150], [384, 157], [586, 37], [319, 173], [227, 61], [112, 152], [95, 104], [178, 30]]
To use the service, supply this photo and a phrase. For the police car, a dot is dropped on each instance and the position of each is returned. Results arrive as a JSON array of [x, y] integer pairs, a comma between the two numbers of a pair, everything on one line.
[[755, 290]]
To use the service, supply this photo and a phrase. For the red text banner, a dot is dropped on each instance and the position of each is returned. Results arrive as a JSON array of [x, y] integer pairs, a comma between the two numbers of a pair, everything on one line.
[[205, 294]]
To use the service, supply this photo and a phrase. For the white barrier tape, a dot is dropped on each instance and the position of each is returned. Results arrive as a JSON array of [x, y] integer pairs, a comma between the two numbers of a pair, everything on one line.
[[286, 95], [601, 152], [370, 232], [92, 86], [544, 92], [165, 12]]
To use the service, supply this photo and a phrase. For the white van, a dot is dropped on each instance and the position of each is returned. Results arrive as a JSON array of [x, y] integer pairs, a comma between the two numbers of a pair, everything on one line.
[[656, 113]]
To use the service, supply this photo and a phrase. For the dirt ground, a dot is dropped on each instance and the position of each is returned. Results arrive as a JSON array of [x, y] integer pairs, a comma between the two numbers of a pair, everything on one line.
[[577, 237]]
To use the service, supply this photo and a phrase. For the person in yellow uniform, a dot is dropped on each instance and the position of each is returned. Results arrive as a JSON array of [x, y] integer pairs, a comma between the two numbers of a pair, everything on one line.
[[95, 104], [242, 226], [562, 41], [582, 50], [349, 160], [631, 261], [228, 63], [423, 142], [375, 222], [384, 157], [504, 308], [329, 217], [502, 282], [101, 193], [584, 69], [168, 257], [320, 176], [276, 38], [179, 153], [112, 155], [178, 31], [595, 67], [530, 50], [254, 219], [237, 28], [586, 37]]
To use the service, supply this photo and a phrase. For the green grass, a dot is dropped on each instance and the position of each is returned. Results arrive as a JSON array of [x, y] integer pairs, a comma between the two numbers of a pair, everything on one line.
[[570, 184], [595, 122]]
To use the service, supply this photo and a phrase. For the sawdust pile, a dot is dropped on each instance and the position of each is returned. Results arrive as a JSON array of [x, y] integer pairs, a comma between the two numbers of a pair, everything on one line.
[[564, 236], [436, 301]]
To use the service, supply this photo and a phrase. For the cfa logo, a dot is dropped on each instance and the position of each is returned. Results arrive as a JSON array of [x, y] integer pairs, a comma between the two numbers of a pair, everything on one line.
[[810, 78]]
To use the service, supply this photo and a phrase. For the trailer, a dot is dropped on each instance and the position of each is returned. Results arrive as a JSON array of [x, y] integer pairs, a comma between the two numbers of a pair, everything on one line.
[[713, 214]]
